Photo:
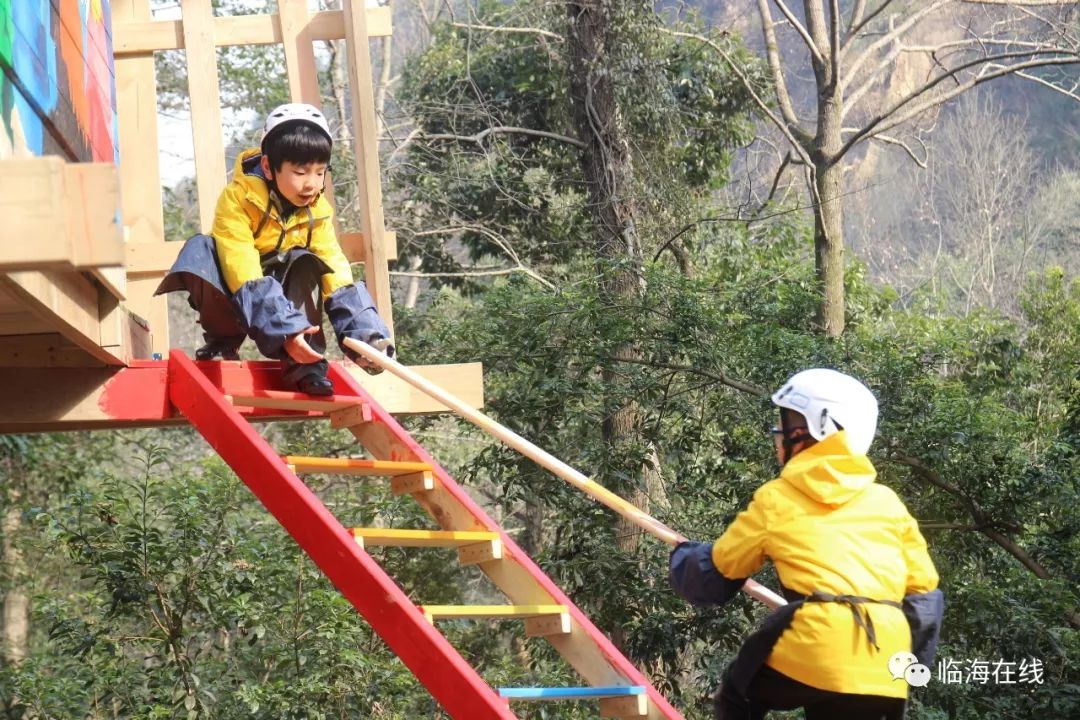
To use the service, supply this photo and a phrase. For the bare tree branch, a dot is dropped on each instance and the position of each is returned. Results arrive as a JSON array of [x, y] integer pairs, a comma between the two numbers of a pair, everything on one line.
[[856, 16], [890, 140], [815, 53], [882, 122], [857, 27], [1056, 88], [1022, 3], [772, 53], [892, 36], [834, 45]]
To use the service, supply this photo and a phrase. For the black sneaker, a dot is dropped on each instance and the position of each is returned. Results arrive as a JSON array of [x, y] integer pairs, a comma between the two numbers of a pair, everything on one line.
[[309, 378], [214, 349]]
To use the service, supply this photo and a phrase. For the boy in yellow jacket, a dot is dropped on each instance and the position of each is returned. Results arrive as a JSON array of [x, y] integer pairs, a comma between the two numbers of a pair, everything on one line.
[[272, 259], [853, 565]]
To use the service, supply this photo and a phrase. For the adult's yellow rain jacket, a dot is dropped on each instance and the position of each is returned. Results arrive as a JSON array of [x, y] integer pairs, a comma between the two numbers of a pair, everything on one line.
[[245, 207], [829, 528]]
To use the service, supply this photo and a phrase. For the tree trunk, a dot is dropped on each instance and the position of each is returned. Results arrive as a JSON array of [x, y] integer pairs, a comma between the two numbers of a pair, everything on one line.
[[16, 598], [609, 176], [829, 249], [828, 211]]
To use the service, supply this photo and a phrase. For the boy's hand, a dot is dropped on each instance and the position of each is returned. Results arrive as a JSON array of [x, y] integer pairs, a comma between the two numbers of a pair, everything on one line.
[[383, 345], [299, 350]]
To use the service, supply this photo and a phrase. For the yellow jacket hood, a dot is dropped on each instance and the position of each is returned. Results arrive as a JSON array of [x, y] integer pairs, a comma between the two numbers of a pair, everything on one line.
[[829, 471]]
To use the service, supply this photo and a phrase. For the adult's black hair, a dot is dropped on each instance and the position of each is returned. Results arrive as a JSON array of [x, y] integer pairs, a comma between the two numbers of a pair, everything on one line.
[[299, 143]]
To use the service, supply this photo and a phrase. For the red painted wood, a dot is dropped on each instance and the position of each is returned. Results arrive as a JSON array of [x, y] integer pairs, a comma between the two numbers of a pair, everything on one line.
[[137, 395], [449, 678], [344, 383]]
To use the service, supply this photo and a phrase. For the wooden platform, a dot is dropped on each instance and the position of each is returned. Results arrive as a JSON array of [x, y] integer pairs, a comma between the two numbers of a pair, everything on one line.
[[48, 399], [86, 247]]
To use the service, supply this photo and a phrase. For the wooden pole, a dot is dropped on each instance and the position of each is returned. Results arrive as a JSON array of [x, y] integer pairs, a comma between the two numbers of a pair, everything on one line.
[[545, 459]]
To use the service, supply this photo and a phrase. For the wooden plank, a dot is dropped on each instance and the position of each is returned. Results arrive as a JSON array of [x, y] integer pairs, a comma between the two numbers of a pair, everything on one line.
[[480, 552], [394, 537], [467, 379], [29, 193], [154, 310], [151, 258], [354, 243], [112, 279], [493, 612], [355, 415], [68, 303], [92, 201], [66, 399], [366, 151], [140, 176], [294, 401], [548, 625], [136, 38], [205, 97], [421, 482], [635, 706], [355, 466], [43, 351], [68, 209]]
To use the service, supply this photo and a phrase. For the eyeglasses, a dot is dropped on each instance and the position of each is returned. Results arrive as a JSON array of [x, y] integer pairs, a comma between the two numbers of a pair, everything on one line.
[[776, 431]]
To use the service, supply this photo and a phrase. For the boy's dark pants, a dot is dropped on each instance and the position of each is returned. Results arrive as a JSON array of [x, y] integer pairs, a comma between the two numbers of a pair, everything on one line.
[[298, 271], [772, 690]]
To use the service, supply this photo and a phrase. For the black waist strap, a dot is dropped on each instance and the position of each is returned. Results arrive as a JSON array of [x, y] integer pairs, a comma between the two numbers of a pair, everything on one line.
[[861, 615]]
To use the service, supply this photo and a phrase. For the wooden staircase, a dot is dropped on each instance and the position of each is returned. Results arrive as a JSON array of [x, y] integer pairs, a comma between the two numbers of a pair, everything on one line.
[[409, 629]]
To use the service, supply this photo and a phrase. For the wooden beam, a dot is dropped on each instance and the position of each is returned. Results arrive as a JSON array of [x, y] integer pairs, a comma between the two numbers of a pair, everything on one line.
[[65, 399], [66, 302], [140, 175], [140, 37], [43, 351], [467, 379], [366, 151], [62, 216], [205, 98]]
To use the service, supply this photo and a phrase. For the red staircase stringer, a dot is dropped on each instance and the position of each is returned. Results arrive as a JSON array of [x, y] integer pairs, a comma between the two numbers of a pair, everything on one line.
[[430, 657], [345, 385]]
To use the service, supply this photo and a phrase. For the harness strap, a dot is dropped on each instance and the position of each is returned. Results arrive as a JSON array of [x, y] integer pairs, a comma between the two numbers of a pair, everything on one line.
[[861, 615]]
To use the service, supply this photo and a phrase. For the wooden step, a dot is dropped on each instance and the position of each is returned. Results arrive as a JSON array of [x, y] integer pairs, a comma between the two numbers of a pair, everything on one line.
[[474, 546], [615, 702], [492, 612], [405, 477], [301, 402], [354, 466]]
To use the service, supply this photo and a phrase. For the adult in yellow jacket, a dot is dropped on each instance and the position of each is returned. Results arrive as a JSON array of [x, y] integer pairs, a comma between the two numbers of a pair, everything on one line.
[[272, 260], [853, 565]]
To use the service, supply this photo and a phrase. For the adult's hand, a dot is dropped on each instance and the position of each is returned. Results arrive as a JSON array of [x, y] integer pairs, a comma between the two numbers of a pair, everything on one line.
[[299, 350]]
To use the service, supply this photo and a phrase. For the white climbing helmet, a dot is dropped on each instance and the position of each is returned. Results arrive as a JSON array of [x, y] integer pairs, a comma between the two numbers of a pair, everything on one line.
[[291, 113], [830, 400]]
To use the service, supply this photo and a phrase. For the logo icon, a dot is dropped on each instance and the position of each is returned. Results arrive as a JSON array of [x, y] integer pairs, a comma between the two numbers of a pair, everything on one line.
[[905, 666]]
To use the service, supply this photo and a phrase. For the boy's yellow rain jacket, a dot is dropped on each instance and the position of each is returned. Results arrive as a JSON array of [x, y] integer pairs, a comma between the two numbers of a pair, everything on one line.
[[245, 207], [829, 528]]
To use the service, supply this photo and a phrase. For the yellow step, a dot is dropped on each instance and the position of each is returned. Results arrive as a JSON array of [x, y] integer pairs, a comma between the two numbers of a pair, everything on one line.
[[354, 466], [474, 546], [405, 477], [500, 612]]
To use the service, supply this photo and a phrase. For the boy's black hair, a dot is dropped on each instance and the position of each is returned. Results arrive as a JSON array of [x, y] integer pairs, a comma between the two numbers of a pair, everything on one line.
[[297, 142]]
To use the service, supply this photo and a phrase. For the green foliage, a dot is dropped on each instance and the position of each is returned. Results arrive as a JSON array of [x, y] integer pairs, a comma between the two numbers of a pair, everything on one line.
[[517, 195]]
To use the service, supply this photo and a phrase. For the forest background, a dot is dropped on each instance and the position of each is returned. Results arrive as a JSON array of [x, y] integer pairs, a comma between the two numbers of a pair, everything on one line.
[[641, 219]]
